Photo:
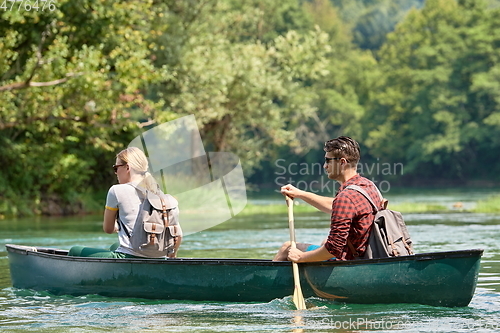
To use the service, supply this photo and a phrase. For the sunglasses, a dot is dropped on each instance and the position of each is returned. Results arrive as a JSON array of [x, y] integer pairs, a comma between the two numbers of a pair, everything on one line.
[[328, 159], [116, 166]]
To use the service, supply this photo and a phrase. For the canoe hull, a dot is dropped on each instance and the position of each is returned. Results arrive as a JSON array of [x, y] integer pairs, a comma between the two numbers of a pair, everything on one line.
[[442, 279], [191, 279], [447, 279]]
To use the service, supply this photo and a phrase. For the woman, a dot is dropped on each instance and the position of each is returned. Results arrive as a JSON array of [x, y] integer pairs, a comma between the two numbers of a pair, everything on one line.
[[123, 202]]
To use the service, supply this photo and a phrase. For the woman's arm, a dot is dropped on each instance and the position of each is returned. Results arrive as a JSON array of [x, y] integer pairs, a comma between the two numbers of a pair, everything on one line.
[[109, 223], [178, 241]]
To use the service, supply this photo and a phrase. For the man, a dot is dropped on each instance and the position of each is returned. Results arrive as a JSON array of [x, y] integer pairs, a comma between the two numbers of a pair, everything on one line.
[[351, 213]]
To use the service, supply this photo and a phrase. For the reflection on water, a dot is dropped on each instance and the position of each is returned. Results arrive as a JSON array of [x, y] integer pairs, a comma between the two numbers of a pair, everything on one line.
[[44, 313], [258, 236]]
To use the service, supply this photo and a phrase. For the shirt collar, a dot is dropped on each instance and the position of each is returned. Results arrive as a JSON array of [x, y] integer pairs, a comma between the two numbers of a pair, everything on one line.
[[351, 181]]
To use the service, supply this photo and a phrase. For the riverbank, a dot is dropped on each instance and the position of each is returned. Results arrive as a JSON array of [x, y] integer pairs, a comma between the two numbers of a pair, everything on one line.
[[52, 205], [489, 205], [86, 204], [251, 209]]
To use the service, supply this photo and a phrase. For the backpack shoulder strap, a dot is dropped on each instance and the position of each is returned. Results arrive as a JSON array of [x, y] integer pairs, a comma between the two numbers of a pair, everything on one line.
[[122, 225], [142, 197], [143, 191], [363, 192], [158, 200]]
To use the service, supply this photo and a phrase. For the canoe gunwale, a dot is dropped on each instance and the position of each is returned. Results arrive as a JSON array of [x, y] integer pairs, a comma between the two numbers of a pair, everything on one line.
[[414, 257], [58, 254]]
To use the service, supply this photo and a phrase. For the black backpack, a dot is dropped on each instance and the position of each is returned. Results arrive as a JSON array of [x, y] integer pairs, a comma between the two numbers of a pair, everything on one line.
[[389, 236]]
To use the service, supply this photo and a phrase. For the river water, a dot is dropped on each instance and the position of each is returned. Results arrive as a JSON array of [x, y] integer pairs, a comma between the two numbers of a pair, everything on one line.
[[255, 236]]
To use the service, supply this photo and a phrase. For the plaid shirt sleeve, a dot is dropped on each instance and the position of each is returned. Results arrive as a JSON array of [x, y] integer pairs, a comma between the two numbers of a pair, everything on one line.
[[352, 218], [343, 212]]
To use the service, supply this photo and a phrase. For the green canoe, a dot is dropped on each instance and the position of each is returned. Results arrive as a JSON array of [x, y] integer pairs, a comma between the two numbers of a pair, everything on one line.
[[440, 279]]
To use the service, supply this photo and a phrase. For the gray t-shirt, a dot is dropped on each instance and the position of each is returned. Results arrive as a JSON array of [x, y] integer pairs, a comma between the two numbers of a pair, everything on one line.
[[125, 199]]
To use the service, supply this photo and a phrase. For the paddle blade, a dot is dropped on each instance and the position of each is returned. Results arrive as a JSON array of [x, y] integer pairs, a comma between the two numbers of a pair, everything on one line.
[[298, 297]]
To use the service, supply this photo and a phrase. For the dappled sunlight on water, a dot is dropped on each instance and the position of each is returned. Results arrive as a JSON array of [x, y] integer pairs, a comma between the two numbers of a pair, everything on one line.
[[250, 237], [45, 313]]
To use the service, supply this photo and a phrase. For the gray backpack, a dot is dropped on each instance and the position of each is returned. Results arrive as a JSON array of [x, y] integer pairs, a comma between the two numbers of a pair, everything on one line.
[[389, 236], [157, 225]]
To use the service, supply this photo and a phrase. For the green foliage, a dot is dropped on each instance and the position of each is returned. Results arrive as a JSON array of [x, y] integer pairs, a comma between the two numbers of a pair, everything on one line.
[[437, 105], [245, 88], [263, 20], [405, 207], [265, 79], [77, 83], [371, 20], [69, 81], [251, 209], [418, 207], [327, 17], [490, 205]]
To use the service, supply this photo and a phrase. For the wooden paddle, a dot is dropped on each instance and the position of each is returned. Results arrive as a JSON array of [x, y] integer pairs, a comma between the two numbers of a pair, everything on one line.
[[298, 298]]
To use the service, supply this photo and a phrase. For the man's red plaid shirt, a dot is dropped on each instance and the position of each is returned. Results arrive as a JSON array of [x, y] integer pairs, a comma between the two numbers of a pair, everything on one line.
[[352, 219]]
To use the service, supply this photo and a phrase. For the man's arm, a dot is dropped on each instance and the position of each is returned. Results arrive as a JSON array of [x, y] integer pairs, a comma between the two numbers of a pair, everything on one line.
[[343, 213], [322, 203]]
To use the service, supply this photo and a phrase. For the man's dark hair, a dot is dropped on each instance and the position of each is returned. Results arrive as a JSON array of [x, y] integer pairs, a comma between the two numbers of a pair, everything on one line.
[[344, 147]]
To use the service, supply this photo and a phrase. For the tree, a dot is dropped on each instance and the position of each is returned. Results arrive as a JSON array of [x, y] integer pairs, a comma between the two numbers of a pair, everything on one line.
[[70, 80], [78, 83], [371, 20], [248, 91], [437, 108]]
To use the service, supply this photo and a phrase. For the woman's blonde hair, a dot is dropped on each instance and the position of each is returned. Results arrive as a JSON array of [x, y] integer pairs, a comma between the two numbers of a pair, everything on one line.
[[138, 162]]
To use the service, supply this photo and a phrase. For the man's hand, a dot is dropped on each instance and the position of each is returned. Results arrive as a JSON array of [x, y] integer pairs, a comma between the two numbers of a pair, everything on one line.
[[291, 191], [322, 203], [294, 255]]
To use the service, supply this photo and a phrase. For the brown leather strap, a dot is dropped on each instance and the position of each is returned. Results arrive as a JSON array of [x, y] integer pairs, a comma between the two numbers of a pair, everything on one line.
[[164, 214], [395, 252], [407, 246], [152, 239], [384, 203]]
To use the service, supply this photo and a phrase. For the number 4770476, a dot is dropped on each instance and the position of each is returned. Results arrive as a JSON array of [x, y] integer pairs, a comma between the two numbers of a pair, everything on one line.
[[28, 5]]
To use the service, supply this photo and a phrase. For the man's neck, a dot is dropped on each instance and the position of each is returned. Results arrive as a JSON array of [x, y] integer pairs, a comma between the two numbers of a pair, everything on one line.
[[348, 174]]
